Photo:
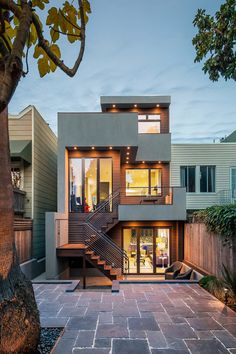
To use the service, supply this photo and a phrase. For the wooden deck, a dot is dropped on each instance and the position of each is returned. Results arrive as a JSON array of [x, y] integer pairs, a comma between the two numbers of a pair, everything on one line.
[[71, 250]]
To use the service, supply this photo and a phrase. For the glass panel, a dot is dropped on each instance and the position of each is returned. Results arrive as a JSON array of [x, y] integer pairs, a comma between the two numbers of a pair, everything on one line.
[[146, 251], [149, 127], [154, 117], [211, 179], [183, 176], [155, 182], [142, 117], [130, 246], [76, 202], [90, 185], [136, 182], [191, 179], [162, 249], [203, 178]]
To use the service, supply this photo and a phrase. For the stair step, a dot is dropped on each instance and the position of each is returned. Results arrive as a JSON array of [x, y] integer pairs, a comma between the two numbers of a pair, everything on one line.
[[101, 262], [95, 257], [107, 267], [89, 252]]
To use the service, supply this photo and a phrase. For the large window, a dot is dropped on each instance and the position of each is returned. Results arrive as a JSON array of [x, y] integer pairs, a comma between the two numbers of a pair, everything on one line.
[[199, 179], [188, 178], [207, 179], [149, 123], [141, 182], [90, 183]]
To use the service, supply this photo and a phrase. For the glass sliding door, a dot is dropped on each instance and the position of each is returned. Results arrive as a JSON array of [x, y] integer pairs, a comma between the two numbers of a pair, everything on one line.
[[76, 193], [90, 183], [130, 246], [146, 250], [155, 176], [162, 248]]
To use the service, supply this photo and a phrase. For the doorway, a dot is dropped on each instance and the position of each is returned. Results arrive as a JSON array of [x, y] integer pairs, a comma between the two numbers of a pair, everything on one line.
[[147, 249]]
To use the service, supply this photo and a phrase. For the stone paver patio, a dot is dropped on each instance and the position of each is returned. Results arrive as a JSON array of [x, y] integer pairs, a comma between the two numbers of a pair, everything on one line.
[[140, 319]]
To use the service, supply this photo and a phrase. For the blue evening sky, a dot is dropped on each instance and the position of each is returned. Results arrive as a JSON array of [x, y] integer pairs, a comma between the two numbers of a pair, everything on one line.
[[138, 47]]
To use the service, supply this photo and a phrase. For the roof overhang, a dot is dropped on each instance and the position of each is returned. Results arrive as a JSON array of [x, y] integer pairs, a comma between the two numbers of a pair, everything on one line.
[[129, 101], [21, 149]]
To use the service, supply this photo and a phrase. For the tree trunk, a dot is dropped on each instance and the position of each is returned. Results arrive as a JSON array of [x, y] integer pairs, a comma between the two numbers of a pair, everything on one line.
[[19, 317]]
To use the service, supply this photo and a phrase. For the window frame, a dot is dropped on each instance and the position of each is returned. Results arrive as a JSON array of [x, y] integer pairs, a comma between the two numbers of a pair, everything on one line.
[[207, 166], [149, 169], [147, 119], [187, 184]]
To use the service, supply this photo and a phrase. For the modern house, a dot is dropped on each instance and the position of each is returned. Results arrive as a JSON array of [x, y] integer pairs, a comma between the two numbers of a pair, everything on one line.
[[117, 209], [33, 148], [208, 171]]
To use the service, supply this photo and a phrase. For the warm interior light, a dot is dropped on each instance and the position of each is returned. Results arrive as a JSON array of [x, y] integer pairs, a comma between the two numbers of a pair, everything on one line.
[[110, 147], [157, 105], [128, 147], [75, 147], [114, 106], [127, 153], [135, 105], [159, 161], [92, 147], [127, 158], [143, 161], [127, 161]]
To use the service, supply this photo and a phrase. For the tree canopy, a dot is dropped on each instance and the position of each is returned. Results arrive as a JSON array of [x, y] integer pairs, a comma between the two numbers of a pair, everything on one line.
[[22, 27], [215, 41]]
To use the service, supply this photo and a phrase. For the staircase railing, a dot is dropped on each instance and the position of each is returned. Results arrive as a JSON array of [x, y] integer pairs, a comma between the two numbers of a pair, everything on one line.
[[98, 241], [102, 245], [105, 212]]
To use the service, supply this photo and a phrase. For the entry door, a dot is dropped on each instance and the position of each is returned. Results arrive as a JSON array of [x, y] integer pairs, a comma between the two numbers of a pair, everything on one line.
[[233, 183]]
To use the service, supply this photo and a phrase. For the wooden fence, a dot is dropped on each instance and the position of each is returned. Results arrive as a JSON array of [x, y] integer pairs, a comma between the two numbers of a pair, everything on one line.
[[23, 239], [205, 250]]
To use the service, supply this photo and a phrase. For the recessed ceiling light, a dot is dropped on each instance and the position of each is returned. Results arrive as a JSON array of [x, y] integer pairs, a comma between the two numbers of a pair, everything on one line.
[[114, 106], [127, 157], [143, 161], [75, 147], [110, 147], [128, 147], [127, 161], [92, 147], [135, 105], [157, 105], [159, 161], [127, 153]]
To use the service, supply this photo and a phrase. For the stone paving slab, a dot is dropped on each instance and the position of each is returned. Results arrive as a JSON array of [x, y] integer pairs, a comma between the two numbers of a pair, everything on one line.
[[140, 319]]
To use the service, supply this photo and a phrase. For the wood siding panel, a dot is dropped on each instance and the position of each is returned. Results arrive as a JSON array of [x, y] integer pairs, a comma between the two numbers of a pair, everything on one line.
[[223, 156], [205, 250], [45, 180], [21, 128]]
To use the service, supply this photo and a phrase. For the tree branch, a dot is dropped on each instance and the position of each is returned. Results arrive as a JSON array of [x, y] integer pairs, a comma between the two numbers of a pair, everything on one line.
[[3, 49], [58, 62], [67, 20], [64, 33]]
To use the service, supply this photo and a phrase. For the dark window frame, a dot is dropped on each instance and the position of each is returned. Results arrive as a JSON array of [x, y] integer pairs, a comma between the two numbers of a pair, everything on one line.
[[207, 178], [187, 184]]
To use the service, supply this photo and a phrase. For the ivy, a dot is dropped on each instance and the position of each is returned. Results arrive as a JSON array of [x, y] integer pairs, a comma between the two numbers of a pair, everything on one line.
[[220, 220]]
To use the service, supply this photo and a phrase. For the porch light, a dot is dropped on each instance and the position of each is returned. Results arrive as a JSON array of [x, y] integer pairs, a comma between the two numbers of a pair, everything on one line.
[[92, 147]]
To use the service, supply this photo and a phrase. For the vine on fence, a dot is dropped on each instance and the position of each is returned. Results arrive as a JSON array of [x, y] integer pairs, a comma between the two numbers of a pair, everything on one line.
[[220, 220]]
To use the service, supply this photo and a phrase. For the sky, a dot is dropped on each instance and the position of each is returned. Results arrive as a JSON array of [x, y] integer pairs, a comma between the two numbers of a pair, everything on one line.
[[138, 47]]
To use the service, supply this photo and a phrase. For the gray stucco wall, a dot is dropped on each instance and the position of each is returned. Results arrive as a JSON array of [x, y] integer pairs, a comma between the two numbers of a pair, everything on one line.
[[154, 147], [142, 212]]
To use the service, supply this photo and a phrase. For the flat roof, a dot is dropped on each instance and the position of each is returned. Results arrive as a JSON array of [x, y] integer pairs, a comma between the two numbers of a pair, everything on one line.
[[128, 101]]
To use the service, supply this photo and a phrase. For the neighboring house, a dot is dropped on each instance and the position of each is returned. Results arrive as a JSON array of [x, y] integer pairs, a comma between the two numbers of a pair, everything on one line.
[[208, 171], [231, 138], [33, 148], [117, 209]]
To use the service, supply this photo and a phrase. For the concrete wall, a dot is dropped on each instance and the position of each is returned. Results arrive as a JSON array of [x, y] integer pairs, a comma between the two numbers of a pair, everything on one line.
[[141, 212], [154, 147], [221, 155]]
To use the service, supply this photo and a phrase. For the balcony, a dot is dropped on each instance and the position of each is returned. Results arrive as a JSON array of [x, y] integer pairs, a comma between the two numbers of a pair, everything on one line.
[[19, 201], [168, 203]]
